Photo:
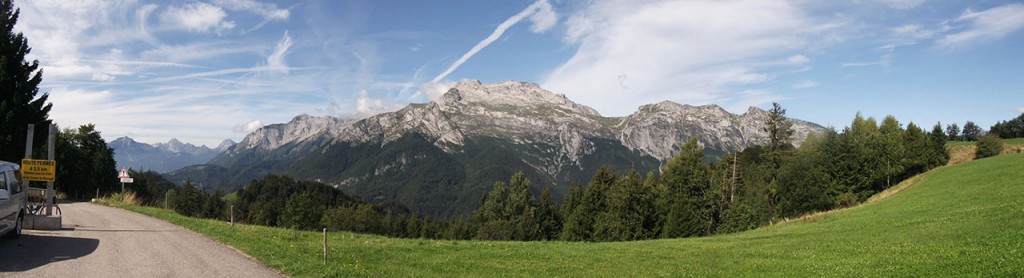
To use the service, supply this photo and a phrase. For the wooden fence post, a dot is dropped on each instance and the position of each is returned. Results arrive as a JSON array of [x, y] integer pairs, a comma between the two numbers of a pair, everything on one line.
[[325, 246]]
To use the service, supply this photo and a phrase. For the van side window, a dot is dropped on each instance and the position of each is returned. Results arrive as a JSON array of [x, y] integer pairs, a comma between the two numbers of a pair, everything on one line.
[[3, 182], [15, 182]]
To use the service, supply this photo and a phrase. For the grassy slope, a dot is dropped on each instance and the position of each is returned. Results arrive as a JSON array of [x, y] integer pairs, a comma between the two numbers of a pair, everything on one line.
[[961, 151], [962, 220], [1012, 141]]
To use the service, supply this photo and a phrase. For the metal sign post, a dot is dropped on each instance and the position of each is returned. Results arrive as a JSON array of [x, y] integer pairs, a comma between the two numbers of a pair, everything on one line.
[[124, 179], [49, 156]]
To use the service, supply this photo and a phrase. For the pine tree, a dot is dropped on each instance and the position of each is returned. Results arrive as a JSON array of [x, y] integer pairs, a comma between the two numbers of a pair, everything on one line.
[[953, 131], [493, 215], [972, 132], [917, 148], [687, 183], [779, 128], [939, 154], [627, 207], [579, 226], [20, 102], [547, 216]]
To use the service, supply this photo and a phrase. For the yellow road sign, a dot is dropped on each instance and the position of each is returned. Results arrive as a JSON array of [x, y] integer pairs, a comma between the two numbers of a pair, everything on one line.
[[38, 169]]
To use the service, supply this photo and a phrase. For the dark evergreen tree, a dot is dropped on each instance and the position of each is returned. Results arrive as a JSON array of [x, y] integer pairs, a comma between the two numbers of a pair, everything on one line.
[[972, 132], [779, 128], [548, 217], [804, 180], [20, 102], [918, 151], [189, 201], [492, 215], [84, 163], [1013, 128], [687, 183], [939, 154], [579, 226], [629, 206], [953, 131], [214, 206]]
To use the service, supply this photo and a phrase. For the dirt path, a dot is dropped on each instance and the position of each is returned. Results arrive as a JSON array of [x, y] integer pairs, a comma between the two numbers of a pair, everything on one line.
[[99, 241]]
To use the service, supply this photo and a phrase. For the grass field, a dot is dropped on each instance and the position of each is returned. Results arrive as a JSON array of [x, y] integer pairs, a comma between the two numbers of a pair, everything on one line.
[[1013, 141], [961, 220]]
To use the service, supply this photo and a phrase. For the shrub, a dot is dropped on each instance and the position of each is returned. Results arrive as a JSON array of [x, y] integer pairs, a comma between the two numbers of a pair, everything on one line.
[[989, 145], [848, 199]]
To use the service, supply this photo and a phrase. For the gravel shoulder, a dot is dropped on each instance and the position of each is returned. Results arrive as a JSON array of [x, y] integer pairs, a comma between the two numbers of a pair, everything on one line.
[[100, 241]]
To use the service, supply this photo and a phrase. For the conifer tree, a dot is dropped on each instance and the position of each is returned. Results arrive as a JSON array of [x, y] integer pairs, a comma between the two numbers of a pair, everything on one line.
[[579, 226], [20, 102], [953, 131], [939, 155], [687, 183], [548, 219], [972, 132]]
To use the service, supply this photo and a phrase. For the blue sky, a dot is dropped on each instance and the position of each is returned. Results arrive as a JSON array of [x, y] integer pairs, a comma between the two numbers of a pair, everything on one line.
[[204, 71]]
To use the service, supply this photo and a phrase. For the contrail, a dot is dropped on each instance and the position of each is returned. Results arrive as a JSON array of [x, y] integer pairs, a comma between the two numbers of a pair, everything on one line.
[[535, 7]]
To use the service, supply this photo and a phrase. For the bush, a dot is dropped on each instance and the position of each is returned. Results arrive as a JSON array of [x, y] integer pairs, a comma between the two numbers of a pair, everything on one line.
[[989, 145], [848, 199], [301, 213]]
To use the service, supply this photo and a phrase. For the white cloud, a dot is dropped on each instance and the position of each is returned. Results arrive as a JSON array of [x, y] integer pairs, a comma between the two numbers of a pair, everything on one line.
[[103, 64], [747, 98], [1020, 109], [367, 106], [804, 84], [885, 60], [913, 31], [540, 13], [275, 61], [901, 4], [692, 52], [798, 59], [198, 51], [267, 11], [435, 90], [543, 18], [197, 17], [988, 25], [247, 127]]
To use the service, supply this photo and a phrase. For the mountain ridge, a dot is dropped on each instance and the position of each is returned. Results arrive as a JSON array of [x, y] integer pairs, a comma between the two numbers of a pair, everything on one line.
[[162, 157], [484, 132]]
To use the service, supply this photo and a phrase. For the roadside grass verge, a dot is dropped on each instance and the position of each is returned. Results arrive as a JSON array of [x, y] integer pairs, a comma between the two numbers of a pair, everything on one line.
[[961, 220]]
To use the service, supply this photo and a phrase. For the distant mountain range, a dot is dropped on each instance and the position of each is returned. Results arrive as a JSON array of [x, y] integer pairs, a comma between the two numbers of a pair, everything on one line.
[[162, 157], [441, 157]]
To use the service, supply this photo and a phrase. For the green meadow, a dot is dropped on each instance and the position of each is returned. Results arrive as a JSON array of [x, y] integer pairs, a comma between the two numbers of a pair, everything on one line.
[[960, 220]]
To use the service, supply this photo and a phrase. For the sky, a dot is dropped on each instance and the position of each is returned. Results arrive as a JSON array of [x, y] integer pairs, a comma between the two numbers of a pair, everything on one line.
[[208, 70]]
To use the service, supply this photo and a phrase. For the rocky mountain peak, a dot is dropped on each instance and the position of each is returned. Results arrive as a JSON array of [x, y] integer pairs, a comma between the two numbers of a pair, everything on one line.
[[300, 128], [224, 145], [509, 95], [122, 141]]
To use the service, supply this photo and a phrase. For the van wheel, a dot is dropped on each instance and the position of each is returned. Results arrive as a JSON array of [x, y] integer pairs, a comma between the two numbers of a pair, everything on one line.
[[16, 232]]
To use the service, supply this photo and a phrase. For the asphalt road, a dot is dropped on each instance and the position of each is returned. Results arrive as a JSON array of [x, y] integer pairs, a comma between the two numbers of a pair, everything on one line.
[[99, 241]]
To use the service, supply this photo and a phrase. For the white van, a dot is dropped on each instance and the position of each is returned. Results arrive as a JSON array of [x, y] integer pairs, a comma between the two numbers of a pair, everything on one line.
[[12, 200]]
